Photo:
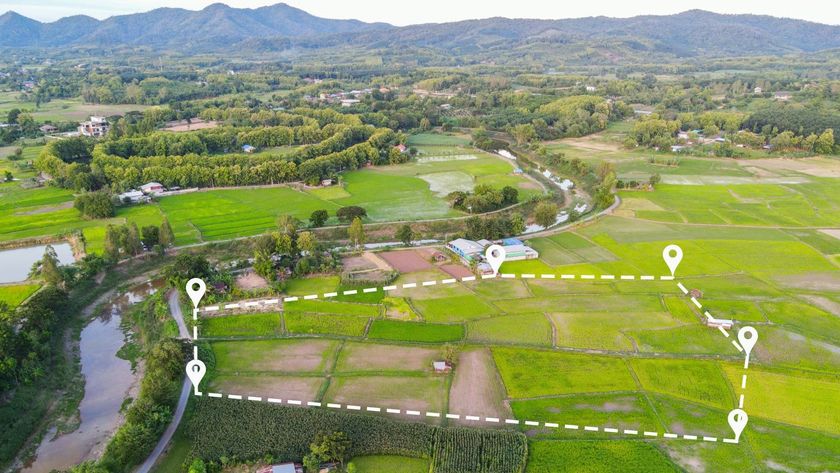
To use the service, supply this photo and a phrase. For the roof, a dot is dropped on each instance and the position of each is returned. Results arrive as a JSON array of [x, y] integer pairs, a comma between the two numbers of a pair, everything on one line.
[[514, 249], [248, 147], [466, 246], [439, 365], [283, 468], [131, 193], [151, 184], [512, 241]]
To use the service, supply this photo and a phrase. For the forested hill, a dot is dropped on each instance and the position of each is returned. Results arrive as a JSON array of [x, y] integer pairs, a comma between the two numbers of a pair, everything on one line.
[[691, 33], [279, 27], [216, 26]]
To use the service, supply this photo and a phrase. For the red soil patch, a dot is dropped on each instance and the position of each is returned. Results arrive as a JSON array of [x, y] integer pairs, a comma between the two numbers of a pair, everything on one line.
[[456, 270], [406, 261]]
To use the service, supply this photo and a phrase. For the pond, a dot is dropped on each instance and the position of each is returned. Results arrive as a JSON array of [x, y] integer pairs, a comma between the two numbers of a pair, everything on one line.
[[16, 263], [109, 380]]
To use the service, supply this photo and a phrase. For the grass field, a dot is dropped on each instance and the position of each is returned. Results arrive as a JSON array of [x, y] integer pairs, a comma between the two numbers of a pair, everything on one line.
[[63, 110], [415, 331], [593, 456], [13, 295], [524, 329], [393, 464], [388, 193], [607, 353], [524, 373], [242, 325]]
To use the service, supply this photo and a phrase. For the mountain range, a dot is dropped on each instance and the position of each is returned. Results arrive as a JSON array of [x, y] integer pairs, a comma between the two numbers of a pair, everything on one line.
[[219, 27]]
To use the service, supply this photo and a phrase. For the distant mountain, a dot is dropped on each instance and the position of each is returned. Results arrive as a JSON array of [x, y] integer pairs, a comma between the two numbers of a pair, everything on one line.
[[216, 26], [219, 27], [691, 33]]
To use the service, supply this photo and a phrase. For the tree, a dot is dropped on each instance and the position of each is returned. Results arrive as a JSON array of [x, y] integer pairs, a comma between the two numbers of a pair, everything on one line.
[[350, 213], [306, 243], [9, 177], [524, 133], [186, 267], [263, 265], [318, 218], [197, 466], [517, 224], [285, 244], [356, 232], [425, 124], [167, 237], [50, 271], [112, 242], [150, 235], [655, 179], [405, 234], [331, 447], [95, 205], [545, 214], [132, 244], [287, 224], [825, 142], [510, 195]]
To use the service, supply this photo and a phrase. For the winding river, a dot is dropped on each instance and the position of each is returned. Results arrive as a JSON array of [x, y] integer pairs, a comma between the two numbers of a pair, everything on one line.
[[109, 380]]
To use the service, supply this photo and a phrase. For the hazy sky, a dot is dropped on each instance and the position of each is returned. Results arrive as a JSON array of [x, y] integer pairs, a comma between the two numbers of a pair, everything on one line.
[[404, 12]]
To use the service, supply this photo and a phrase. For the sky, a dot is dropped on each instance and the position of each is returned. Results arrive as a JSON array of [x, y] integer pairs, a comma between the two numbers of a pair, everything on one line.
[[401, 12]]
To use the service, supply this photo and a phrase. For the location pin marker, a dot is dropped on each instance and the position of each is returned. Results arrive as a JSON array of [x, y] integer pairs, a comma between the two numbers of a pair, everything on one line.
[[747, 337], [196, 289], [196, 370], [495, 255], [672, 254], [737, 421]]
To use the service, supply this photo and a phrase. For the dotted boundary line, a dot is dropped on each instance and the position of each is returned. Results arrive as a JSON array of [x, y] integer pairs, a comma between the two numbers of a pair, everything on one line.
[[734, 343], [474, 418], [471, 418], [411, 285]]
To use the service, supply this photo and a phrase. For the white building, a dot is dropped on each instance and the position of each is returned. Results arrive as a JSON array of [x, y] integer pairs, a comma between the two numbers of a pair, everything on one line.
[[95, 127], [152, 188], [133, 197]]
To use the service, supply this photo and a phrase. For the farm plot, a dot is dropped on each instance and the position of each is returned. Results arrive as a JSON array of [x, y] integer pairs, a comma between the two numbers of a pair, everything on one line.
[[241, 325], [422, 393], [605, 330], [796, 398], [278, 356], [524, 373], [695, 380], [476, 388], [360, 357], [415, 331], [522, 329], [270, 385], [595, 456], [618, 410], [15, 294]]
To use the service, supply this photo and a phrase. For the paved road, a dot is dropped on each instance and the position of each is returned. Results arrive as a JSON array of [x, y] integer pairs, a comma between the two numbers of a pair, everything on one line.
[[186, 388]]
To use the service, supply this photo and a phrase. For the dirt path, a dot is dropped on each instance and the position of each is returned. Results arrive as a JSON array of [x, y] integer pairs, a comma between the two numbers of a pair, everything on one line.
[[186, 387]]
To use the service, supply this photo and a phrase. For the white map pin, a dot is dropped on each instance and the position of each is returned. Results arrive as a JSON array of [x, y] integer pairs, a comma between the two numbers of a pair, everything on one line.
[[196, 289], [747, 337], [196, 370], [672, 254], [495, 255], [737, 421]]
